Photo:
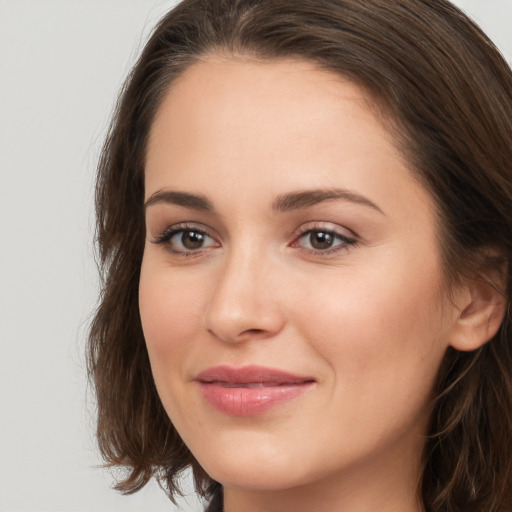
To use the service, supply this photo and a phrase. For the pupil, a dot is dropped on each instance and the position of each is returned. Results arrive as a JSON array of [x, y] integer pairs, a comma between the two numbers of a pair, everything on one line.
[[320, 240], [192, 239]]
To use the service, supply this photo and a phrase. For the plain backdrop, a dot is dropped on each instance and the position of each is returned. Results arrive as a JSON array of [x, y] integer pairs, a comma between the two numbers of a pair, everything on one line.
[[61, 64]]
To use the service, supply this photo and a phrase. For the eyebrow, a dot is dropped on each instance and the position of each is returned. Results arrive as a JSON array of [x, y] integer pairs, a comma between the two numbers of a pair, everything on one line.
[[283, 203], [196, 202], [307, 198]]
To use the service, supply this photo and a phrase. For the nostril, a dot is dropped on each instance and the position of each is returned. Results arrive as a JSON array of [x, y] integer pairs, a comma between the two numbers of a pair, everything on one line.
[[241, 336], [252, 333]]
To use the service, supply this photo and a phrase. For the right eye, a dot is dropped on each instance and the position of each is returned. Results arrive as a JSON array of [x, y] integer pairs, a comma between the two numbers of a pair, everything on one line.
[[185, 240]]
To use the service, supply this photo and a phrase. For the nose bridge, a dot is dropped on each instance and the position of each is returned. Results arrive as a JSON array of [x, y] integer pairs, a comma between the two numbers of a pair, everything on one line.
[[244, 302]]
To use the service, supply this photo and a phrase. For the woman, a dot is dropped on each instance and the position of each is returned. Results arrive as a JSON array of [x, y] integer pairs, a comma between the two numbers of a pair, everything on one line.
[[304, 217]]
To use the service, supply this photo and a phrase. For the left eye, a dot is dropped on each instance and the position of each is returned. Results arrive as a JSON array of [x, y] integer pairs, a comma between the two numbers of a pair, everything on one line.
[[186, 240], [189, 240], [322, 240]]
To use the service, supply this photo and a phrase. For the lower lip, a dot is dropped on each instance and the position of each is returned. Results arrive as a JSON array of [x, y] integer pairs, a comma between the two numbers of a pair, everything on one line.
[[249, 401]]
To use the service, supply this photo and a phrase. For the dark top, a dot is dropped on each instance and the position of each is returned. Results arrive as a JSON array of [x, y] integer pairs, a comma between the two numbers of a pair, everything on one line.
[[216, 503]]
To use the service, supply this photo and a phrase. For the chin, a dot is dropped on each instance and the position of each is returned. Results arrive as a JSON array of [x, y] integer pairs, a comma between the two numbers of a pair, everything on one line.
[[258, 465], [264, 476]]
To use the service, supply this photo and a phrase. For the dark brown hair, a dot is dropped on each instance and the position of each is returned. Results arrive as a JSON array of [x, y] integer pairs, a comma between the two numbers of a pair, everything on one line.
[[447, 95]]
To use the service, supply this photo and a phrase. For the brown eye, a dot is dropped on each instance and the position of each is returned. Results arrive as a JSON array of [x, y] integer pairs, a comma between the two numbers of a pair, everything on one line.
[[191, 240], [186, 241], [321, 240]]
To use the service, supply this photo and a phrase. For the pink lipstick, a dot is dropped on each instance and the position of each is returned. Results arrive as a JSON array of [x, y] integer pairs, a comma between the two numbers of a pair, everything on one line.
[[250, 390]]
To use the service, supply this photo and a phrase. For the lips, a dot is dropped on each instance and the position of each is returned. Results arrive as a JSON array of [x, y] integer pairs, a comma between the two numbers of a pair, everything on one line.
[[250, 390]]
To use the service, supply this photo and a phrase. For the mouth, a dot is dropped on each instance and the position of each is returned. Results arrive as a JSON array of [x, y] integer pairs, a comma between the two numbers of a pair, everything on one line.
[[250, 390], [247, 384]]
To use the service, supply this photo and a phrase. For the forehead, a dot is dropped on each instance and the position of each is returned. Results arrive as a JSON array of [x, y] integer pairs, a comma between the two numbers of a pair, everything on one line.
[[222, 101], [219, 93], [272, 126], [217, 82]]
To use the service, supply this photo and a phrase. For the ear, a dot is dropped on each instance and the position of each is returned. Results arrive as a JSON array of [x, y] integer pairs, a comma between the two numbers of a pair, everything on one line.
[[480, 311]]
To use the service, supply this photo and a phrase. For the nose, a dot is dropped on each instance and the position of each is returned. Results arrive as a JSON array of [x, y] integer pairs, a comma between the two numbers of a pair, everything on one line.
[[244, 304]]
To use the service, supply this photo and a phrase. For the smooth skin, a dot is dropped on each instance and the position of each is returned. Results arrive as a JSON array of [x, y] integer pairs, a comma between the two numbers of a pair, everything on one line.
[[285, 229]]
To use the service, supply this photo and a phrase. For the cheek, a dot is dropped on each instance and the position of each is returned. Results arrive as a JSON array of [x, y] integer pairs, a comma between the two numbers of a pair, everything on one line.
[[170, 315], [383, 335]]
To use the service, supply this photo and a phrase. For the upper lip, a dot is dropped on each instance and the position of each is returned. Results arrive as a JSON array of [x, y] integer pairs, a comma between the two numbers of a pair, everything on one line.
[[251, 375]]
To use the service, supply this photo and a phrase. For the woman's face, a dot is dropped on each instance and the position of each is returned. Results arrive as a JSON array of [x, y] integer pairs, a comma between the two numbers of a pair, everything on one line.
[[291, 292]]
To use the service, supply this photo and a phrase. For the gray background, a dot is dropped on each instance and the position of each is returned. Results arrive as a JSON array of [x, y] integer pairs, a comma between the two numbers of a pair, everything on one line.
[[61, 63]]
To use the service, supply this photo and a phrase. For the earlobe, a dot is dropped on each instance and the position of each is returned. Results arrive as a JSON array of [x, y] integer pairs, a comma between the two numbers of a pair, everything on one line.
[[480, 316]]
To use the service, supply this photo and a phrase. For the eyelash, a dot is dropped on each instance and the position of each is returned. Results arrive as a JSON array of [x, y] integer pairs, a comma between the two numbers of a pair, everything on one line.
[[165, 237], [345, 241]]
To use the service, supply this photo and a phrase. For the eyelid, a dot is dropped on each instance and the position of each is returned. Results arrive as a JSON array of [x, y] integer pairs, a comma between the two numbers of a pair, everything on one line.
[[329, 227], [348, 237], [163, 238]]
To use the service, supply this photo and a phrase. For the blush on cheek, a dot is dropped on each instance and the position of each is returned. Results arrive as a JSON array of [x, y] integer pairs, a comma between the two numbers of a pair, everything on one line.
[[381, 321], [166, 315], [162, 336]]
